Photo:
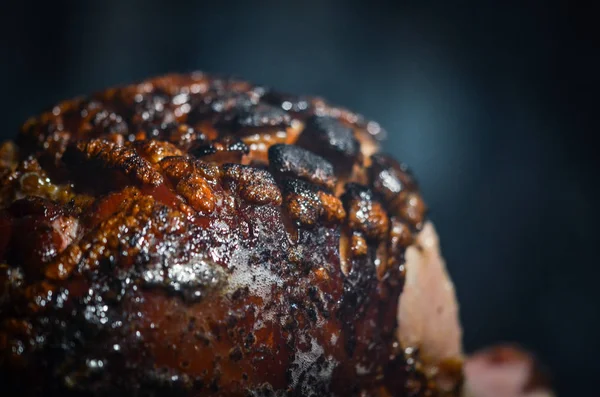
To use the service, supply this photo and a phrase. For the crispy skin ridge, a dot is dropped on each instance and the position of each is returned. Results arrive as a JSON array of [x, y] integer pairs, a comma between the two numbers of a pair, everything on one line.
[[195, 235]]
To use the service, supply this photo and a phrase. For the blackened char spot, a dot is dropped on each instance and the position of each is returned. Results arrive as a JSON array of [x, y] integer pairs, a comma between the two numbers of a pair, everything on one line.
[[293, 161], [228, 149], [262, 115], [217, 102], [249, 119], [330, 138]]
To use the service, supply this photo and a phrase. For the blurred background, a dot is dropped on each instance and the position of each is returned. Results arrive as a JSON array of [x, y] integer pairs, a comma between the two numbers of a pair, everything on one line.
[[492, 105]]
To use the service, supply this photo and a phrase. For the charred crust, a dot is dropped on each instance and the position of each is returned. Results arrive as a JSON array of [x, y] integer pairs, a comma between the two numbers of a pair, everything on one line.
[[98, 155], [155, 151], [194, 234], [333, 209], [301, 202], [249, 119], [306, 204], [295, 162], [397, 187], [176, 167], [254, 185], [332, 139], [390, 178], [197, 192], [365, 213], [227, 149]]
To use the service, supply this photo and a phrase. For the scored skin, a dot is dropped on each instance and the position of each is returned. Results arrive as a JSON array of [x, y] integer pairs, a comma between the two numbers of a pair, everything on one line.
[[183, 253]]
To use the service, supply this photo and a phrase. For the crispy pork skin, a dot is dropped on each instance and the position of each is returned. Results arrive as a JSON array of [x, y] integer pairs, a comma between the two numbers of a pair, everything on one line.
[[202, 236]]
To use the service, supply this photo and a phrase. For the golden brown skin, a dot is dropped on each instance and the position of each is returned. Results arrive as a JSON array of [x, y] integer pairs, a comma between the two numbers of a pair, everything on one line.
[[192, 235]]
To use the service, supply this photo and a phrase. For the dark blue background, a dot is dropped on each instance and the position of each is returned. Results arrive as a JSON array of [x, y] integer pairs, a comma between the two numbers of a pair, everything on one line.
[[492, 105]]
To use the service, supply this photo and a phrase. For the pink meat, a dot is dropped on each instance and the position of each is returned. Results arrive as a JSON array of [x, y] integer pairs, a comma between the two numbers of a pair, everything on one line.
[[428, 310], [503, 371]]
